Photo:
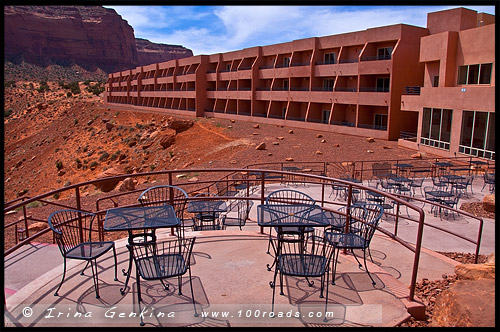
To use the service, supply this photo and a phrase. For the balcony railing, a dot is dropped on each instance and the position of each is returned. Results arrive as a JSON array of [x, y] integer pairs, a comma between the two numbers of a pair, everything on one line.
[[371, 126], [322, 89], [408, 135], [343, 123], [341, 89], [376, 58], [319, 63], [299, 89], [353, 60], [412, 90], [373, 89], [299, 64]]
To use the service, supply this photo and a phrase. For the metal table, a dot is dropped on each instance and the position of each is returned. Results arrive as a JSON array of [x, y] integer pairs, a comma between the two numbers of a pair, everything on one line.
[[206, 212], [291, 177], [139, 218], [440, 195], [301, 216], [403, 167]]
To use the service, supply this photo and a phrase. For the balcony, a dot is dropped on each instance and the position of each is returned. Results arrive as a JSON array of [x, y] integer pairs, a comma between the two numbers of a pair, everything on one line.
[[412, 90]]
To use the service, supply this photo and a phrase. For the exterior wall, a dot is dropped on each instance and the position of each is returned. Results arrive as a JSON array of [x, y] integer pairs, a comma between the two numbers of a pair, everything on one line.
[[259, 84], [442, 54]]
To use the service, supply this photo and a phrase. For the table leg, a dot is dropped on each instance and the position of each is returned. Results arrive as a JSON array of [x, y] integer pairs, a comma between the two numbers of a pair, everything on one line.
[[122, 290]]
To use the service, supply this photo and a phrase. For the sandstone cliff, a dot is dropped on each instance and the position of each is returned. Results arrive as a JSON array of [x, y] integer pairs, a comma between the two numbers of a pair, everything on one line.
[[89, 36], [148, 52]]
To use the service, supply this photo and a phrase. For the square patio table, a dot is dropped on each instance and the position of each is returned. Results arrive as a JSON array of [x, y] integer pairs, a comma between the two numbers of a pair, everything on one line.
[[139, 218], [206, 210]]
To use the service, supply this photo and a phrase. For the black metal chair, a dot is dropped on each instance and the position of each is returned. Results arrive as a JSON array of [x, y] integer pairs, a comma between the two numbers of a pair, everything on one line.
[[440, 183], [338, 221], [430, 198], [461, 185], [289, 196], [224, 189], [207, 217], [308, 259], [170, 195], [360, 240], [73, 231], [451, 202], [489, 178], [242, 208], [417, 183], [162, 260]]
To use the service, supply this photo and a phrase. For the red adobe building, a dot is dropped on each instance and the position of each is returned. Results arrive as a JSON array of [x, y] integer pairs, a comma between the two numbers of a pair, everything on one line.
[[433, 86]]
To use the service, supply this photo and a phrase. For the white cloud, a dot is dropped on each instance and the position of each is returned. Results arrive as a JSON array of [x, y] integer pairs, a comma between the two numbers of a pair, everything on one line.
[[140, 17]]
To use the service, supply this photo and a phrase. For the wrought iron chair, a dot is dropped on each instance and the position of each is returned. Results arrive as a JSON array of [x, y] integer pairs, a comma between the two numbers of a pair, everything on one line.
[[224, 189], [242, 207], [451, 202], [430, 198], [337, 189], [309, 260], [288, 196], [417, 183], [440, 183], [338, 221], [360, 240], [159, 261], [70, 229], [461, 185], [489, 178], [207, 217], [166, 194]]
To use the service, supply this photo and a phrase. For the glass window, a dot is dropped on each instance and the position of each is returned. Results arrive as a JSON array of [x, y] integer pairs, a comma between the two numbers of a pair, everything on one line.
[[383, 84], [435, 83], [446, 125], [285, 85], [384, 53], [286, 62], [328, 84], [473, 76], [330, 58], [436, 123], [467, 123], [462, 74], [485, 73], [490, 141], [426, 122], [479, 130]]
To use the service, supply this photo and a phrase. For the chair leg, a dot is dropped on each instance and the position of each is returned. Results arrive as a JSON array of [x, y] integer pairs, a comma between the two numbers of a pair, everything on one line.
[[95, 276], [116, 268], [281, 283], [64, 275], [273, 286], [359, 263], [139, 298], [334, 270], [326, 297], [366, 267], [192, 293], [86, 265], [179, 278]]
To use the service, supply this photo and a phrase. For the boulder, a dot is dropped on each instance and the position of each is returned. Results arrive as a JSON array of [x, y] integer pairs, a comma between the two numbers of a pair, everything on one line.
[[489, 203], [127, 185], [109, 126], [261, 146], [179, 125], [467, 303], [256, 126], [37, 227], [318, 152], [319, 136], [289, 159], [417, 155], [109, 185], [337, 145], [475, 271], [370, 139], [290, 131], [167, 138]]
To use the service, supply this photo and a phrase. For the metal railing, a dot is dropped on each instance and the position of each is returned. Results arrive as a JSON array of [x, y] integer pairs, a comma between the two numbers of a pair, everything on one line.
[[411, 90], [312, 173]]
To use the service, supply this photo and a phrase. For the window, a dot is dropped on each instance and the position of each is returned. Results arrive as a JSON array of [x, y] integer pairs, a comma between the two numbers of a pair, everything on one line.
[[474, 74], [384, 53], [477, 137], [435, 83], [436, 128], [330, 58], [286, 61], [383, 84], [286, 84], [325, 116], [228, 67], [328, 84], [380, 121], [283, 112]]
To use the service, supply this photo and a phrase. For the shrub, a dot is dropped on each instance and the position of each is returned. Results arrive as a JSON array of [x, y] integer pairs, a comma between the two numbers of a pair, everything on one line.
[[7, 112], [93, 164], [43, 87], [59, 164], [104, 156]]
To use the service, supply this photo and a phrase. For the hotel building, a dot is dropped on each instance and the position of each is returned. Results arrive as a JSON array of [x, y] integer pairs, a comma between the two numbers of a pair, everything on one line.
[[434, 87]]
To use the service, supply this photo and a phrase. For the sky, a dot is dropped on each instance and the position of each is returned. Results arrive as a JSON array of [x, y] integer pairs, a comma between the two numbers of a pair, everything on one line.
[[219, 29]]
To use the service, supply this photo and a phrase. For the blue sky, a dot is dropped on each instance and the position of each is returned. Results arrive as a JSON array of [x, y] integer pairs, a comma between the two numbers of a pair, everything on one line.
[[218, 29]]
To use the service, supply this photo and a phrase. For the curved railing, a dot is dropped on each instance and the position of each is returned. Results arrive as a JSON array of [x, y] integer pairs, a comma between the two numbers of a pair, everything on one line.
[[262, 179]]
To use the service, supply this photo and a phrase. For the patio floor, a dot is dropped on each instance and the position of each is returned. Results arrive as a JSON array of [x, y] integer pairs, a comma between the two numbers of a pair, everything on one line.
[[231, 283]]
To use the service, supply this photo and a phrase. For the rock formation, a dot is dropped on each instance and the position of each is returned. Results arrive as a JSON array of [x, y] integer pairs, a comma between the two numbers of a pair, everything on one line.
[[89, 36]]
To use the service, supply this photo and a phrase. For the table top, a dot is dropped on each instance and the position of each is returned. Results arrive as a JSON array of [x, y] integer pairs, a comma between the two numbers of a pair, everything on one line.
[[206, 206], [443, 163], [140, 217], [404, 165], [399, 179], [275, 215], [478, 162], [453, 177], [420, 170], [440, 193], [291, 168]]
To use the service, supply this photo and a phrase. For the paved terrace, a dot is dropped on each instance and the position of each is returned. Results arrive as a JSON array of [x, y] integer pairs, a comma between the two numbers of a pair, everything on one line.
[[230, 278]]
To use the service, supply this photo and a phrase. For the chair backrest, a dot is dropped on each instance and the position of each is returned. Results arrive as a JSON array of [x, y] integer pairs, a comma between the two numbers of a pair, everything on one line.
[[165, 194], [243, 208], [417, 182], [71, 228], [489, 177], [373, 215], [205, 195], [357, 213], [289, 196]]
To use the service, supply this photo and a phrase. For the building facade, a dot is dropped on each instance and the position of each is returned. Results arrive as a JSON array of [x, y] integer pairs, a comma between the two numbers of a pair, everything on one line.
[[354, 83]]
